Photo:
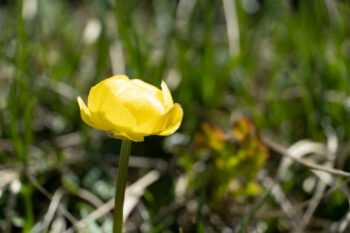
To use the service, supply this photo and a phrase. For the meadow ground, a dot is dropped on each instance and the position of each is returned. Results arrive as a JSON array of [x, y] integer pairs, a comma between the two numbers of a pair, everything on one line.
[[257, 80]]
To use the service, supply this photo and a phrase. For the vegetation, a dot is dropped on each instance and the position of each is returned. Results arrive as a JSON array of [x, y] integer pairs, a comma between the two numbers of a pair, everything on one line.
[[246, 72]]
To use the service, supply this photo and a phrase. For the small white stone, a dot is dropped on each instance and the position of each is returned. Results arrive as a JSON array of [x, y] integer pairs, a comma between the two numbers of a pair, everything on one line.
[[15, 186], [30, 8], [92, 31], [309, 184]]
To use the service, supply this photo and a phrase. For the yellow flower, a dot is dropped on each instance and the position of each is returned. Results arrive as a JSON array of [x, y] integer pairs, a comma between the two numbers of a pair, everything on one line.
[[131, 109]]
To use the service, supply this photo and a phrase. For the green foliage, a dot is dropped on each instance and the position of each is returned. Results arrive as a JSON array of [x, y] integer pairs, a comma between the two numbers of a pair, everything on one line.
[[291, 77], [225, 164]]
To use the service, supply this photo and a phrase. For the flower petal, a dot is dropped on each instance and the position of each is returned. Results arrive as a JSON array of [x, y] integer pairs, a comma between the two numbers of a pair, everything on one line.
[[163, 125], [85, 114], [129, 136], [145, 85], [151, 90], [142, 103], [167, 99], [131, 109], [106, 109], [174, 119], [97, 93]]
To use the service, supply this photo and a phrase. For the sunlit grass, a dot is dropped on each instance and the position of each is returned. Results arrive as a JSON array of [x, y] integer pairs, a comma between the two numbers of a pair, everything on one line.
[[290, 76]]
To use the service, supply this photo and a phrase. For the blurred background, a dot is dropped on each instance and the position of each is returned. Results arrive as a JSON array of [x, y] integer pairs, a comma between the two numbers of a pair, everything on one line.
[[244, 71]]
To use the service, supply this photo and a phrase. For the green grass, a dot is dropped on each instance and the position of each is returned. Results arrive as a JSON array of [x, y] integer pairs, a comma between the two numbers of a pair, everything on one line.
[[291, 77]]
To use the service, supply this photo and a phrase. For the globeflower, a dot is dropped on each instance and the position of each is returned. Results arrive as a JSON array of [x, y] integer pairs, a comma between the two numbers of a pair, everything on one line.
[[131, 109]]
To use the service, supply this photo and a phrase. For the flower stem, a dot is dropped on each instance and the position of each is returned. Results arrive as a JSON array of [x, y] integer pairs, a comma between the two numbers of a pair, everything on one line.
[[120, 188]]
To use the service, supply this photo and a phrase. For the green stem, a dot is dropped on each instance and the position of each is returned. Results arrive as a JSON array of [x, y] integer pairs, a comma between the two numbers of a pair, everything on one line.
[[120, 188]]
